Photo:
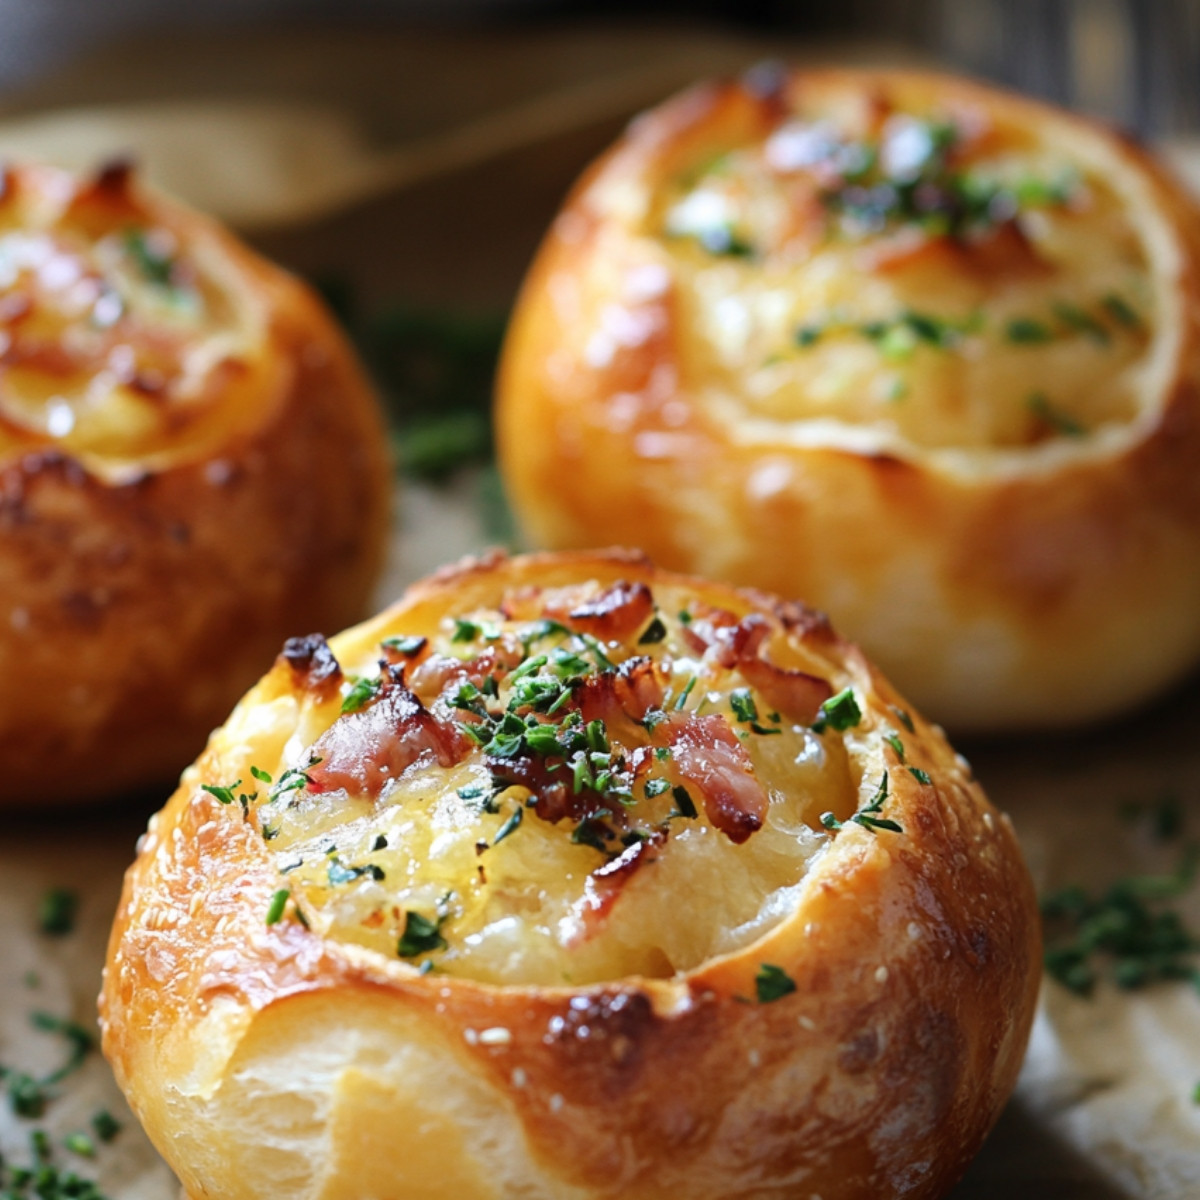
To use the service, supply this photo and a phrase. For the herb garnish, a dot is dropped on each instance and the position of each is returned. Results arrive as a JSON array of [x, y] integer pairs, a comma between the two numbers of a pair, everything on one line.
[[1055, 418], [1123, 927], [362, 692], [57, 911], [408, 646], [867, 817], [772, 983], [421, 935], [654, 632], [840, 712]]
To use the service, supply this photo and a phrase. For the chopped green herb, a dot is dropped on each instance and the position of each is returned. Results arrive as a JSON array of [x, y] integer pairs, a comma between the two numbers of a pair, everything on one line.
[[380, 842], [896, 744], [1055, 418], [1079, 321], [57, 911], [772, 983], [421, 935], [808, 335], [259, 774], [654, 632], [840, 712], [656, 787], [224, 794], [1027, 331], [742, 703], [592, 831], [81, 1144], [513, 823], [1121, 312], [338, 873], [1140, 942], [105, 1125], [903, 718], [407, 646], [433, 446], [278, 904], [687, 691], [919, 775], [684, 805], [465, 631], [361, 693], [150, 255]]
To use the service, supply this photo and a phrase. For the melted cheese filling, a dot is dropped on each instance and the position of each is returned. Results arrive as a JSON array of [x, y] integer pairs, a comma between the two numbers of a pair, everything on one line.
[[504, 895], [118, 340], [950, 283]]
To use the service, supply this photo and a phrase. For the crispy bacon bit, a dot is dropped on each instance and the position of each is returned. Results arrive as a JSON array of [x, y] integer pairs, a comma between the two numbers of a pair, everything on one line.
[[615, 614], [701, 631], [606, 884], [630, 691], [313, 664], [796, 694], [362, 751], [706, 754], [437, 674]]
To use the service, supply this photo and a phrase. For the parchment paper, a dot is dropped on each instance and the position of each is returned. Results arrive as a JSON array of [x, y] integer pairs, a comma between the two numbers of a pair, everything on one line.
[[1104, 1107]]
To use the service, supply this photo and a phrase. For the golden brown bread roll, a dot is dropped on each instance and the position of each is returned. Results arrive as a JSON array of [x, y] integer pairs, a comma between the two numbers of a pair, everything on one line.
[[192, 467], [568, 877], [919, 351]]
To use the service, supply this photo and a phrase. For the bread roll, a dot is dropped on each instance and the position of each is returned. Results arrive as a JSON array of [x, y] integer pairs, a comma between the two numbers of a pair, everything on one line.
[[568, 877], [922, 352], [192, 468]]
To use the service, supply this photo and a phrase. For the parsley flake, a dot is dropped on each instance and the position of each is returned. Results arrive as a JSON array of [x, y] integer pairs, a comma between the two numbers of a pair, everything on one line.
[[840, 712], [772, 983], [421, 935]]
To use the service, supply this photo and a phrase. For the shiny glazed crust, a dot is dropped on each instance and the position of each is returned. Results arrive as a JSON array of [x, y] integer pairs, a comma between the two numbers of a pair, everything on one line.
[[148, 577], [270, 1060], [1006, 586]]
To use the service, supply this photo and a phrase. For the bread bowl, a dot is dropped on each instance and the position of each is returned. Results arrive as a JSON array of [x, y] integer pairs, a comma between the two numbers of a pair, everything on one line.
[[192, 468], [719, 916], [921, 352]]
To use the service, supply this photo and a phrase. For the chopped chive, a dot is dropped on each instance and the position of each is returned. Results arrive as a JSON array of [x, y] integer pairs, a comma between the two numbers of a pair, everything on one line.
[[278, 904], [509, 826], [421, 935], [687, 691], [465, 631], [772, 983], [408, 646], [1120, 310], [1025, 330], [105, 1125], [1076, 319], [654, 632], [57, 911], [840, 712], [893, 740], [742, 703], [684, 805], [259, 774], [919, 775], [361, 693], [1054, 417]]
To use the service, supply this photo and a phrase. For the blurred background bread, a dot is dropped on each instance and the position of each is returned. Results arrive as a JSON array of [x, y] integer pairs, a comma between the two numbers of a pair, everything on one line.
[[921, 352], [192, 469]]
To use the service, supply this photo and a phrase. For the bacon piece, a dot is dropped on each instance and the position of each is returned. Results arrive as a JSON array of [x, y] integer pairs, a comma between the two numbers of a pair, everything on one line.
[[706, 754], [362, 751], [615, 614], [313, 664], [1002, 252], [796, 694], [606, 884], [630, 691], [437, 674]]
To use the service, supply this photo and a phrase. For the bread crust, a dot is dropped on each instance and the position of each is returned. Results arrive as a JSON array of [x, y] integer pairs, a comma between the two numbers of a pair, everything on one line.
[[267, 1059], [145, 590], [1003, 588]]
